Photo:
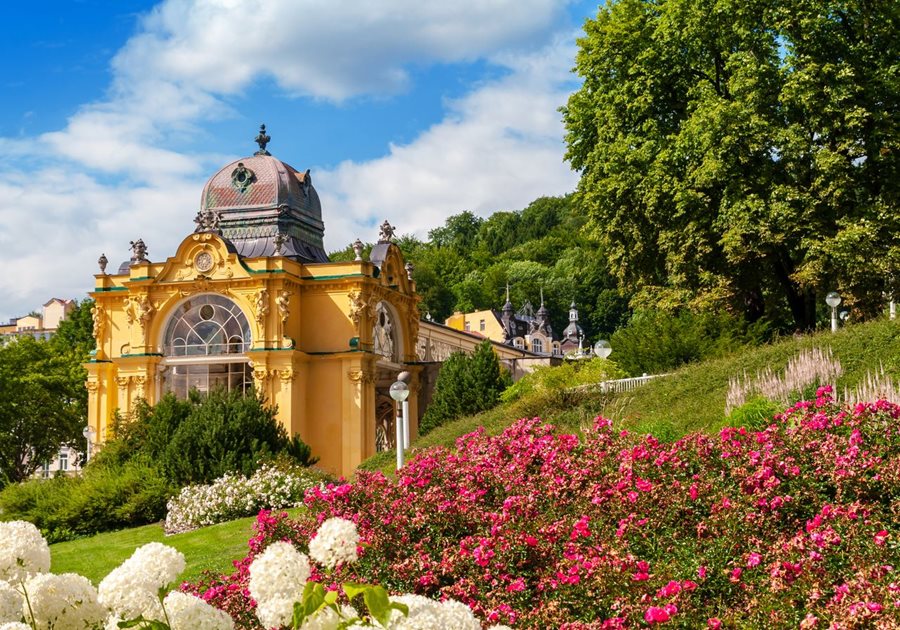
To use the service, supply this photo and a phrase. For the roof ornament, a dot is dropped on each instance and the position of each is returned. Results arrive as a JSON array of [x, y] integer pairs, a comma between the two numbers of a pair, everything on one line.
[[386, 232], [103, 261], [139, 251], [358, 249], [262, 139], [280, 240], [409, 270], [208, 221]]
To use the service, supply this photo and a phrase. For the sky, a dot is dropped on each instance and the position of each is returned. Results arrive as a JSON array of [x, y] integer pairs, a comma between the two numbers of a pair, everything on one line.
[[115, 113]]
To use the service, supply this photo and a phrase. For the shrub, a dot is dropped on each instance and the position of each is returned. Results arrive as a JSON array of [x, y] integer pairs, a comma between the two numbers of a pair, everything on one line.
[[790, 526], [103, 498], [566, 376], [233, 496], [654, 342], [201, 439], [465, 385]]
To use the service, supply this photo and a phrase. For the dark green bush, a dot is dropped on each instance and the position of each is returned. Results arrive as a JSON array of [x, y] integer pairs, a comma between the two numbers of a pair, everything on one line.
[[465, 385], [654, 342], [103, 498]]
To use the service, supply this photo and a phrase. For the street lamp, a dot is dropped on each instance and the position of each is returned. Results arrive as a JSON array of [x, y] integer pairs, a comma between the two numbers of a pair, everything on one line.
[[833, 300], [602, 349], [400, 392], [88, 434]]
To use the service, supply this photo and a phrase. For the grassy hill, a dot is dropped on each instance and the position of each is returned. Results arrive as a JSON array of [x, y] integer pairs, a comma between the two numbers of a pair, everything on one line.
[[690, 399]]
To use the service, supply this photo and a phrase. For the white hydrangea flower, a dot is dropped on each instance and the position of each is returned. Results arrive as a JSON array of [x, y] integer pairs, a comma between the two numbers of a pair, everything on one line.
[[188, 612], [15, 625], [159, 562], [112, 622], [457, 615], [335, 543], [275, 612], [11, 602], [130, 590], [62, 602], [277, 578], [427, 614], [23, 551]]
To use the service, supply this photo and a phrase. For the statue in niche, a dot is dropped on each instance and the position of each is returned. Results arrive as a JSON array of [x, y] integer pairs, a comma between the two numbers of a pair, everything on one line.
[[383, 333], [262, 306]]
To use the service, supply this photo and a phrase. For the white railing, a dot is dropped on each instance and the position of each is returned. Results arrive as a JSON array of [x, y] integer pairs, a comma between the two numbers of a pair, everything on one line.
[[621, 384]]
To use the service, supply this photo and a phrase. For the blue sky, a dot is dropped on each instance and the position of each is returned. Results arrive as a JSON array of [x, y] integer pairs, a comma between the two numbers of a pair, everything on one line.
[[113, 115]]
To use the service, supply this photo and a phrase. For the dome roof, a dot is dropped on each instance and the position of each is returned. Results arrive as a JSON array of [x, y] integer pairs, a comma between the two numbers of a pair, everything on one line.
[[264, 207], [260, 181]]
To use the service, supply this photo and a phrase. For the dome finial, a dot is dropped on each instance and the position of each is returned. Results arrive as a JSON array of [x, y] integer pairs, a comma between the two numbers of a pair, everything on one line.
[[262, 140]]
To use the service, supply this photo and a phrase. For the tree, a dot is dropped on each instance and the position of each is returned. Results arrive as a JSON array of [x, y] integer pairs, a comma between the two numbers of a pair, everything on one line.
[[742, 153], [41, 406], [466, 384]]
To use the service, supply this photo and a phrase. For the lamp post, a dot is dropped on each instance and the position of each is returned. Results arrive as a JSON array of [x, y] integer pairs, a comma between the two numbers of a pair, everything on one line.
[[88, 434], [833, 300], [602, 349], [400, 392]]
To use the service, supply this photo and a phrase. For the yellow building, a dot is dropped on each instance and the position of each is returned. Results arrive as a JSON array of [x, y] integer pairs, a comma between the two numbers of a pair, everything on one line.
[[250, 299]]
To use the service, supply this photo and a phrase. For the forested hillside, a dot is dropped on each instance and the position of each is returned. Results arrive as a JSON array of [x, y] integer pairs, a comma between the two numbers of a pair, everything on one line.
[[466, 264]]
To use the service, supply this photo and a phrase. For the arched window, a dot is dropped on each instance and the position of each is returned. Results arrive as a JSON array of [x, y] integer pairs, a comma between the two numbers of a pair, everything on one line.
[[204, 344], [518, 343], [537, 346]]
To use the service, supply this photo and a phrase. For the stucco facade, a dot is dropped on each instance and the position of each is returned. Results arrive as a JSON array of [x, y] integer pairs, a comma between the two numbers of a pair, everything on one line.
[[323, 341]]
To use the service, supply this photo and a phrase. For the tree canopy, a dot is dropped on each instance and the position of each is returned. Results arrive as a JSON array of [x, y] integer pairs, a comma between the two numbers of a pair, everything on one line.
[[742, 154]]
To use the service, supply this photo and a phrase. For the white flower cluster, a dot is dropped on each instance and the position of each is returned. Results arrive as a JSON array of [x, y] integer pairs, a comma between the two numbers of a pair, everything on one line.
[[11, 602], [62, 602], [15, 625], [130, 590], [277, 578], [188, 612], [427, 614], [23, 552], [233, 496], [335, 543]]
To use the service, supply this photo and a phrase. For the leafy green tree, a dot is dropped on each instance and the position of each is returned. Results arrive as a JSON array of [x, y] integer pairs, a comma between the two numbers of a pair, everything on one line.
[[75, 333], [41, 406], [466, 384], [742, 153]]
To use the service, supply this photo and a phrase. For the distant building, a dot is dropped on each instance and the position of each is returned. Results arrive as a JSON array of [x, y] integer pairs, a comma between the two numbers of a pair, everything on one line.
[[524, 329], [40, 325]]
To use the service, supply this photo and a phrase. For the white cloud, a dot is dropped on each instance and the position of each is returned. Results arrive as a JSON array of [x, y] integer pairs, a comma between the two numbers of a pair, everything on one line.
[[500, 147], [117, 170], [331, 49]]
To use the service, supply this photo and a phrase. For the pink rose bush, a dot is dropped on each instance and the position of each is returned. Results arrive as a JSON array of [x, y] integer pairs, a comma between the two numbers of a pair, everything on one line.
[[792, 526]]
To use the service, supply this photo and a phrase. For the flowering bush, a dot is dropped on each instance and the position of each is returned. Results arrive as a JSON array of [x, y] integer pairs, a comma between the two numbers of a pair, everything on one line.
[[233, 496], [794, 525]]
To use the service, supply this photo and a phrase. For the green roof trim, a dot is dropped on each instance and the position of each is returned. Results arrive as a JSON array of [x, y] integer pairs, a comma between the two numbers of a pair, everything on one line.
[[105, 289]]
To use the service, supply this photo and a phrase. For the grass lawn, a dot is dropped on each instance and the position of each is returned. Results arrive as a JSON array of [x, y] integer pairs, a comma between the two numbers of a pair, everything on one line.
[[212, 548]]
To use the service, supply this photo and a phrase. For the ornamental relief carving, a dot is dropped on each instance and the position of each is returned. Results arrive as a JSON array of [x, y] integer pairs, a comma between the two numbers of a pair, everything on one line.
[[286, 375], [361, 376], [92, 387], [283, 302], [261, 303], [140, 385], [138, 309], [122, 382], [98, 316]]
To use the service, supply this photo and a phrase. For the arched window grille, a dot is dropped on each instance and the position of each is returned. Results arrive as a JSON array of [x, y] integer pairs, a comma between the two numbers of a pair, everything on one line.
[[204, 344]]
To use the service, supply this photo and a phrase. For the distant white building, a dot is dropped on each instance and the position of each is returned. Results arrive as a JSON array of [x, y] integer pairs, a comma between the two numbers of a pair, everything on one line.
[[40, 325]]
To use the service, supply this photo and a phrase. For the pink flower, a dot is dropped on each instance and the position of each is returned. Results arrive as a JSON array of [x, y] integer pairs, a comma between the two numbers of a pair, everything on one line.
[[516, 586], [714, 622], [881, 538], [655, 614], [693, 492], [753, 560], [669, 590], [701, 572], [736, 574]]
